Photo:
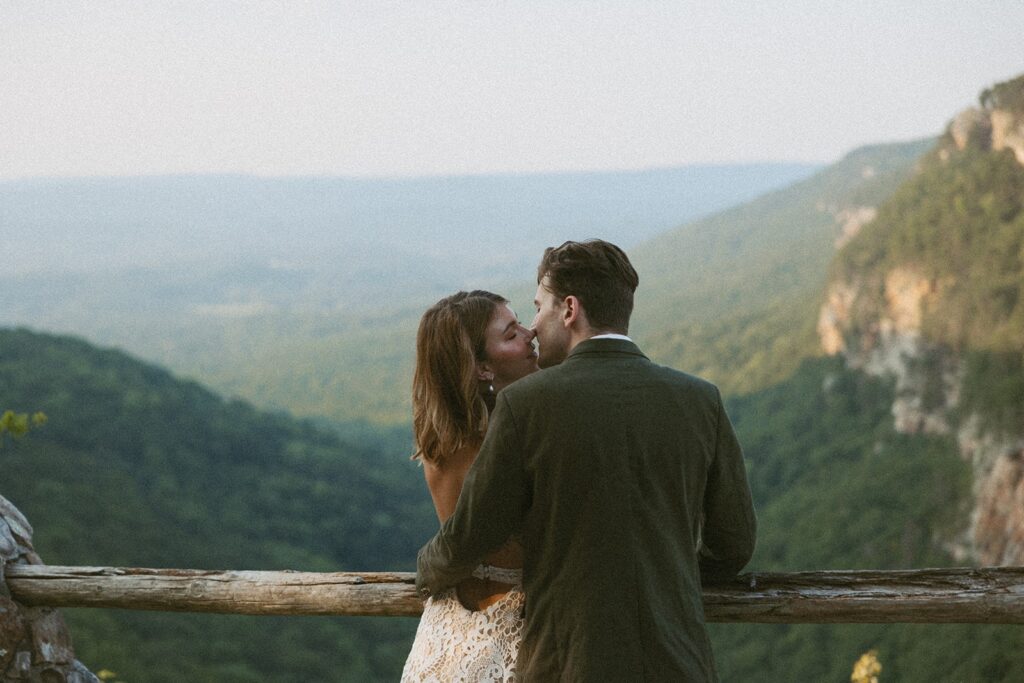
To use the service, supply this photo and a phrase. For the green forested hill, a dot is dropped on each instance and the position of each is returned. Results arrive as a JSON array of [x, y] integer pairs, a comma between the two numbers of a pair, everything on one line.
[[837, 488], [731, 297], [958, 226], [303, 293], [734, 297], [136, 468]]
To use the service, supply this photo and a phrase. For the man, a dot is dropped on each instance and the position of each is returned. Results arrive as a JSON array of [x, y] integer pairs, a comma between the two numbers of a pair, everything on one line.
[[624, 480]]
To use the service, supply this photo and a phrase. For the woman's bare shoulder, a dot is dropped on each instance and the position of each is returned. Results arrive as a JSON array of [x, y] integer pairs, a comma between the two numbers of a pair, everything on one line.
[[445, 478]]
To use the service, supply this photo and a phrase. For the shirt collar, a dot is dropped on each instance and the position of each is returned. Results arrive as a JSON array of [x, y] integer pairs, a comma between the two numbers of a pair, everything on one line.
[[611, 335]]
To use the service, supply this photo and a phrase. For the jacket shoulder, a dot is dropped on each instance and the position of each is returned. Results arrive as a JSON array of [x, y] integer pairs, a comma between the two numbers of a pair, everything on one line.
[[687, 382], [537, 383]]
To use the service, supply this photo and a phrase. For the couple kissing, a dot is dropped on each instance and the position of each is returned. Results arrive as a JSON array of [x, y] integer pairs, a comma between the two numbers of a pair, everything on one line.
[[580, 504]]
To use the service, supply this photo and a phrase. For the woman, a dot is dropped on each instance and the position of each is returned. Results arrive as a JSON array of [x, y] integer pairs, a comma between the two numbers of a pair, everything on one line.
[[468, 347]]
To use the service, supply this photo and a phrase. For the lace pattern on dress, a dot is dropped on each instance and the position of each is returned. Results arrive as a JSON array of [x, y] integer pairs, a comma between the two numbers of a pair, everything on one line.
[[455, 644]]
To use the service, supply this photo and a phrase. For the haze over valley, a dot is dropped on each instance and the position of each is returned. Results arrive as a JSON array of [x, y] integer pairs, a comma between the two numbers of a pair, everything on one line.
[[218, 231]]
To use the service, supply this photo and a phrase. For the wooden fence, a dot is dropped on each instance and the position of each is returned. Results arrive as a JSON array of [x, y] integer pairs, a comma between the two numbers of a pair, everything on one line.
[[989, 595]]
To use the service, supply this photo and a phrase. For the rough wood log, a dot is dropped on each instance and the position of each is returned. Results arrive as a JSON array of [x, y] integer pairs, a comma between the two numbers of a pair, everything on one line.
[[992, 595], [919, 596], [225, 592]]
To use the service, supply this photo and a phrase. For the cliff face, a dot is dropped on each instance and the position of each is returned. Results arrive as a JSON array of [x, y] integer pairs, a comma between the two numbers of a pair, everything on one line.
[[911, 298], [927, 375], [34, 641], [928, 380]]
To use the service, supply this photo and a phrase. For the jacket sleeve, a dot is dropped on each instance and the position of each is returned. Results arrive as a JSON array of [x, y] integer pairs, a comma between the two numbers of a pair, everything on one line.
[[489, 510], [730, 525]]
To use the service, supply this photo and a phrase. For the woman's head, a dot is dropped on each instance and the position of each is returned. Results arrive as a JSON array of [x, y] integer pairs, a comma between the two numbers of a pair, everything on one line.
[[468, 346]]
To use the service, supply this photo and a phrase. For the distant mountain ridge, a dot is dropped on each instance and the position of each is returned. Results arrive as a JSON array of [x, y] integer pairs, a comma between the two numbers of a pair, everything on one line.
[[492, 222], [712, 292], [303, 293]]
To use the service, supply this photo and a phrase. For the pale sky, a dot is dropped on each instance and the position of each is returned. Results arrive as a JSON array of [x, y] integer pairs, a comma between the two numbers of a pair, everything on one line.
[[377, 88]]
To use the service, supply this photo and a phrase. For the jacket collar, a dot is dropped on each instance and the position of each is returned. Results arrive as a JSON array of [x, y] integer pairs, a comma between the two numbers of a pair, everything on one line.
[[603, 346]]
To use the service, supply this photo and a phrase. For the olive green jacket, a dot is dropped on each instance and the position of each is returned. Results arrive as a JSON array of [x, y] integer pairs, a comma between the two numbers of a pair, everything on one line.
[[626, 483]]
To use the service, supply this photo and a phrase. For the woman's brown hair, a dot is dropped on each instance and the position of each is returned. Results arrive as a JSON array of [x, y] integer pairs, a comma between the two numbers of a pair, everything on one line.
[[448, 410]]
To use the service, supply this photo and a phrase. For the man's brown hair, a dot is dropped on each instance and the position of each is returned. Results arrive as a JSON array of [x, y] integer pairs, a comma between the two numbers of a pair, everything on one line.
[[597, 273]]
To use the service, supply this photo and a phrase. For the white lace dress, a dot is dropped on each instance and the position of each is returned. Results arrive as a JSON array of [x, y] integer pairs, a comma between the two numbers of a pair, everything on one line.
[[455, 644]]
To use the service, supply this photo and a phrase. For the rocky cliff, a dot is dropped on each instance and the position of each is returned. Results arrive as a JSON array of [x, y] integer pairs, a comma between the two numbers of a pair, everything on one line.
[[34, 641], [932, 282]]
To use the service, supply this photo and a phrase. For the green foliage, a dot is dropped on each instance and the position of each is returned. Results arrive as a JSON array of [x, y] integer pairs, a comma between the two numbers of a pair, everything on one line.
[[137, 468], [142, 469], [742, 352], [304, 294], [993, 389], [1008, 95], [734, 297], [18, 424], [836, 488], [960, 224], [145, 470]]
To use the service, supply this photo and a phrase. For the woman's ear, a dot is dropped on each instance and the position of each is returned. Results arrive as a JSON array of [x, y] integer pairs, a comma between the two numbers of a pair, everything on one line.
[[484, 372]]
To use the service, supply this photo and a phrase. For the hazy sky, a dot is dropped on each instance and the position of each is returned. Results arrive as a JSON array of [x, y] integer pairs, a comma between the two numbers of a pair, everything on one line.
[[410, 88]]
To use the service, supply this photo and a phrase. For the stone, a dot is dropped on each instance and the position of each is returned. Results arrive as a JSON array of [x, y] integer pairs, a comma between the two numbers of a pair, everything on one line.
[[8, 546], [835, 317], [21, 669], [998, 524], [12, 631], [48, 675], [905, 292], [20, 527], [851, 220], [51, 641], [1008, 133], [971, 127], [80, 674]]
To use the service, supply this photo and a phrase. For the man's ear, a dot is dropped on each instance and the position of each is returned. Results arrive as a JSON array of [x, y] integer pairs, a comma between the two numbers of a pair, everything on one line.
[[571, 310]]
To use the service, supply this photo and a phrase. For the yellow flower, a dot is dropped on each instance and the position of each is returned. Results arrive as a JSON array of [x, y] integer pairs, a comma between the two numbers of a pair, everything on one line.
[[867, 668]]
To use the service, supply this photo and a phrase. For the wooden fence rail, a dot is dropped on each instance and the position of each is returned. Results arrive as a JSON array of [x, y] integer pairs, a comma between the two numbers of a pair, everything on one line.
[[990, 595]]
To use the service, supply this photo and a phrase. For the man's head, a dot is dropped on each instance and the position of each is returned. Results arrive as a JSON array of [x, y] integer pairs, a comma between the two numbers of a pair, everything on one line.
[[583, 289]]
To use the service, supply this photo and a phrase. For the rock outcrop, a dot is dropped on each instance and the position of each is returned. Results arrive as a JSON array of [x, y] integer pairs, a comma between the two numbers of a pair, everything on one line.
[[34, 641], [927, 376], [851, 220], [990, 128], [887, 318], [927, 395]]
